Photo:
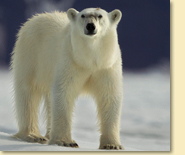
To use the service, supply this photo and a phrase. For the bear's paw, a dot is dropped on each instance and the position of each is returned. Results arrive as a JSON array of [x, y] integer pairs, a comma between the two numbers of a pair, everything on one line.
[[112, 147], [33, 138], [63, 143]]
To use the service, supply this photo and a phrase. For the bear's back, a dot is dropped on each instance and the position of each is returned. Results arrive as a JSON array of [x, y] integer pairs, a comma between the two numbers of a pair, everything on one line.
[[39, 23]]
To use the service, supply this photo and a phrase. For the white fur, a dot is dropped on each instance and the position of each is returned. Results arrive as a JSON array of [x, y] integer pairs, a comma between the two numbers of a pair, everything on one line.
[[54, 59]]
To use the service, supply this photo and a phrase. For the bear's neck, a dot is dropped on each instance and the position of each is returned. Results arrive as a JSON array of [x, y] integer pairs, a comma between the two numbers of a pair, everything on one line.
[[95, 53]]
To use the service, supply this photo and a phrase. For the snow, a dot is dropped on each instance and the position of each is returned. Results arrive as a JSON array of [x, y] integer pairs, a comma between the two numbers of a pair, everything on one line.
[[145, 119]]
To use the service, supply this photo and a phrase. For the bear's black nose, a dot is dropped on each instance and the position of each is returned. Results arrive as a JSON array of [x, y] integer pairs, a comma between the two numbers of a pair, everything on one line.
[[90, 27]]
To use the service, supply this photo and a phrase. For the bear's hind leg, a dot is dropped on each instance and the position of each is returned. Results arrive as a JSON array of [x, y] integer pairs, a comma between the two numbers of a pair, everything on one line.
[[47, 106], [26, 108]]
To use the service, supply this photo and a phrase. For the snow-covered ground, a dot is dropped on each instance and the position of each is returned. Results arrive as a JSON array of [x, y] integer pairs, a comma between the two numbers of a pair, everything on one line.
[[145, 120]]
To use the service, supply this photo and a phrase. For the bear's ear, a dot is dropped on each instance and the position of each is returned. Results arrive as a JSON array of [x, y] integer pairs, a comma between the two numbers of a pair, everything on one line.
[[115, 16], [71, 13]]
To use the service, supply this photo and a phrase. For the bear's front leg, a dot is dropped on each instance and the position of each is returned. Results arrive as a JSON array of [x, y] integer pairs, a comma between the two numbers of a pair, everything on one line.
[[62, 109], [107, 90], [66, 88]]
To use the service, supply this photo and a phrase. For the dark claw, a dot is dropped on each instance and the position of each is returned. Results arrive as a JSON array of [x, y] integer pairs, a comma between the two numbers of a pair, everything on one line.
[[111, 147], [65, 144], [75, 145], [104, 147], [115, 147], [42, 139], [108, 146]]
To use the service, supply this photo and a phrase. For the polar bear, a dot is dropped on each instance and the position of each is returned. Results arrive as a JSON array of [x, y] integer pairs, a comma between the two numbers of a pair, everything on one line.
[[58, 56]]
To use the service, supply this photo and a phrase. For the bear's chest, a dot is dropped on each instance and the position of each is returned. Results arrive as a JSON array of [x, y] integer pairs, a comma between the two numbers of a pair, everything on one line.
[[94, 57]]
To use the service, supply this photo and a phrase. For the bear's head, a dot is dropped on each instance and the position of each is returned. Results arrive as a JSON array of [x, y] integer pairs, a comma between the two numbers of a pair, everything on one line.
[[93, 22]]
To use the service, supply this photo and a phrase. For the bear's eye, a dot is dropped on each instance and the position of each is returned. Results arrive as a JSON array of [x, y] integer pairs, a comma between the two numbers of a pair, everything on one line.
[[100, 16], [82, 16]]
